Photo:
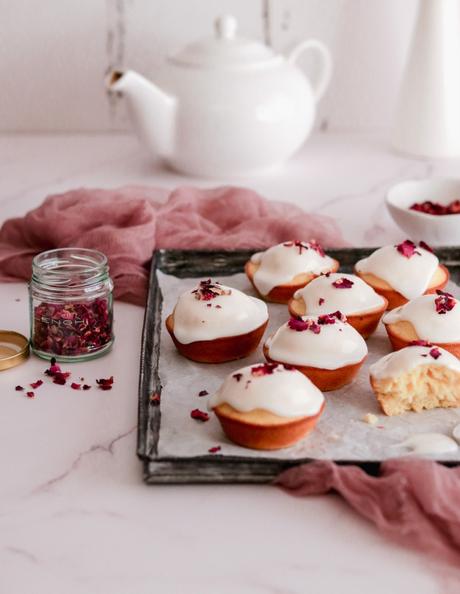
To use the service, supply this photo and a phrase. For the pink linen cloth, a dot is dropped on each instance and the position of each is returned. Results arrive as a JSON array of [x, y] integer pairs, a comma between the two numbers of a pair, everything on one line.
[[413, 501], [127, 224]]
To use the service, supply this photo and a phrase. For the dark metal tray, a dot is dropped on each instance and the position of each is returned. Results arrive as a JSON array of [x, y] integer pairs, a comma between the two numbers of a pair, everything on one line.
[[214, 468]]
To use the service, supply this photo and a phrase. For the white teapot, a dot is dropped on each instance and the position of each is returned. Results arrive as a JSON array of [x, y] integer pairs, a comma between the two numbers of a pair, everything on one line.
[[225, 106]]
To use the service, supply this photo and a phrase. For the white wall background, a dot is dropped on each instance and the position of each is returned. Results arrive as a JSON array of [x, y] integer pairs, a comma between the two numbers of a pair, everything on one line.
[[54, 53]]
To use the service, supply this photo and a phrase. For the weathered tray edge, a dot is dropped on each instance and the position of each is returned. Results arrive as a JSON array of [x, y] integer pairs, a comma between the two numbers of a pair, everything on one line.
[[209, 469]]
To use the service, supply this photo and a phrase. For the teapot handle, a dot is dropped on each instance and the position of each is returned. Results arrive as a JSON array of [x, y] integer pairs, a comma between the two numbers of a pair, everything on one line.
[[326, 63]]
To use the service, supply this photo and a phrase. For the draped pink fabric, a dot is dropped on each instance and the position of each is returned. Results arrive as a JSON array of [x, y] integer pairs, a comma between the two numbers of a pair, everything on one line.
[[127, 224], [413, 501]]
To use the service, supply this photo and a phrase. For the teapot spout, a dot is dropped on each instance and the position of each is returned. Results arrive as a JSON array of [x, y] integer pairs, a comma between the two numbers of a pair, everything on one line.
[[152, 110]]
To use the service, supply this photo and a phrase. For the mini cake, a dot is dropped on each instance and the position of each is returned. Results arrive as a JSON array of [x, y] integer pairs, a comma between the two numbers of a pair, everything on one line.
[[431, 318], [416, 378], [347, 293], [214, 323], [278, 272], [325, 348], [267, 407], [403, 272]]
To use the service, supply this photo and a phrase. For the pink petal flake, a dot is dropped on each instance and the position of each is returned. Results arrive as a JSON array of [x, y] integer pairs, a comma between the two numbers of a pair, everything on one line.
[[208, 290], [105, 383], [423, 343], [343, 283], [444, 302], [435, 353], [317, 247], [407, 248], [199, 415], [426, 247], [214, 449], [263, 369]]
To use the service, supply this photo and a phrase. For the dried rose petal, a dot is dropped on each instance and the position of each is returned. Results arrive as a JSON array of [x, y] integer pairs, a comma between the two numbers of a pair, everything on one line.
[[208, 290], [19, 389], [343, 283], [300, 245], [214, 449], [75, 386], [237, 376], [424, 343], [86, 387], [444, 302], [263, 369], [407, 248], [426, 247], [435, 353], [30, 394], [317, 247], [298, 324], [435, 208], [199, 415], [439, 292], [36, 384], [105, 383], [320, 301], [340, 316], [203, 393], [54, 367], [60, 377], [326, 319]]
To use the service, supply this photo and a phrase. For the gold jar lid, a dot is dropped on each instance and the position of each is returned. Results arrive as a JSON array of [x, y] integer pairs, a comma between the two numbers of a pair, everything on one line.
[[14, 349]]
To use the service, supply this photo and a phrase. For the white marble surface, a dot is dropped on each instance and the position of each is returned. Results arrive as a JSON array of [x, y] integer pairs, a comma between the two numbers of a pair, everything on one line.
[[75, 516]]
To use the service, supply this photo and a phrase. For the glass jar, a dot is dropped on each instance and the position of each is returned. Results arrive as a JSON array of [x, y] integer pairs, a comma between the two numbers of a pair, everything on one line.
[[71, 304]]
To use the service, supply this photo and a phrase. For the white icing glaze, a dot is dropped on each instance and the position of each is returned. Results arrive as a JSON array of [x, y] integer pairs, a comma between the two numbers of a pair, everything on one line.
[[428, 323], [408, 276], [402, 361], [286, 393], [430, 443], [456, 432], [335, 346], [360, 298], [238, 314], [281, 263]]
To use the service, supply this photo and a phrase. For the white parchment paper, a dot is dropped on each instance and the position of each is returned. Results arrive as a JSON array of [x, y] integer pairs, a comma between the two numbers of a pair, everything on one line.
[[340, 434]]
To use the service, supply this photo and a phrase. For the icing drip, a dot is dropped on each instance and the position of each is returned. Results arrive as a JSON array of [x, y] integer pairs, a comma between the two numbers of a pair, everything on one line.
[[281, 263], [228, 312], [282, 391], [409, 276], [405, 360], [322, 296], [335, 345], [429, 324], [430, 443]]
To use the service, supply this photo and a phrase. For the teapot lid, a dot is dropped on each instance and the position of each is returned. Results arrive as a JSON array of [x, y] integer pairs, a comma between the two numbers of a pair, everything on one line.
[[224, 49]]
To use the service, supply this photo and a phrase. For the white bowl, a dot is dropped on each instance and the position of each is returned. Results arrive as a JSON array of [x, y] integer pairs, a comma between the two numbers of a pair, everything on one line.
[[434, 229]]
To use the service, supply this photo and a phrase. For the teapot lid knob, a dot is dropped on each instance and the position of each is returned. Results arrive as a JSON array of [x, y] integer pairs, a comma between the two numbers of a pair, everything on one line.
[[226, 26]]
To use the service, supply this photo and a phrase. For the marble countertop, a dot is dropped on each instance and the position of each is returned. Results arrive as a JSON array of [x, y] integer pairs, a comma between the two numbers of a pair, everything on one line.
[[75, 516]]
